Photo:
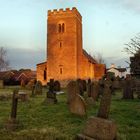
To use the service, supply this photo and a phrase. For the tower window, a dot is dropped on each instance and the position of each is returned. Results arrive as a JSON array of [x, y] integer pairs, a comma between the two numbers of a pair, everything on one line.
[[61, 28], [60, 44], [61, 71]]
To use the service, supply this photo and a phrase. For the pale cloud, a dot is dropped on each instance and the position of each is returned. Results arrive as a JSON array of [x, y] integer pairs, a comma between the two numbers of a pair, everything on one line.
[[132, 4]]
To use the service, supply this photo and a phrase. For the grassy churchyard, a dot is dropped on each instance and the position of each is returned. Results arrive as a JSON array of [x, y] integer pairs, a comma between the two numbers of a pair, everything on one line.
[[38, 121]]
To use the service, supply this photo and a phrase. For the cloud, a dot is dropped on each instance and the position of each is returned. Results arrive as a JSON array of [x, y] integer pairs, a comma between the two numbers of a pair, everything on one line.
[[25, 58], [131, 4]]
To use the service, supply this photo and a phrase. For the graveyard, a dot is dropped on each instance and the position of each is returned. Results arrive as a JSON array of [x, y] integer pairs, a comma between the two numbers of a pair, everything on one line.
[[54, 121]]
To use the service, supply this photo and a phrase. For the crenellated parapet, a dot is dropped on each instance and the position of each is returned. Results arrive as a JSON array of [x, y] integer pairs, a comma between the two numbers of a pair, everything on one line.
[[57, 12]]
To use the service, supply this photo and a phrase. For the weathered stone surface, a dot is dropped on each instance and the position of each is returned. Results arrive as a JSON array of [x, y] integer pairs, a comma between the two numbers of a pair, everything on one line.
[[57, 86], [80, 87], [90, 101], [72, 91], [23, 96], [105, 100], [89, 86], [14, 104], [22, 83], [95, 91], [31, 84], [127, 89], [51, 94], [77, 106], [38, 88], [100, 129], [1, 84]]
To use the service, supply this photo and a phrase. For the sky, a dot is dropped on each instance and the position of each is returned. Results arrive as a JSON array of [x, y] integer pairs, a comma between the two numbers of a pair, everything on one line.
[[107, 26]]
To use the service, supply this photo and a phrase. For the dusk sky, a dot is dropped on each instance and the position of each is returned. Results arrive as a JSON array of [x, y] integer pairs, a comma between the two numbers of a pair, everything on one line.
[[107, 26]]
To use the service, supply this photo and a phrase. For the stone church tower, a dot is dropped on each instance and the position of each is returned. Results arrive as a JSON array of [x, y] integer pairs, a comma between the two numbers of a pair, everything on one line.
[[66, 59]]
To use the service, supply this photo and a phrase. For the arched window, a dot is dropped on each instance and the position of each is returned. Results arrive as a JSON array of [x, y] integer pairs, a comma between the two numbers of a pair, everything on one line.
[[59, 28], [61, 71], [60, 44], [63, 28]]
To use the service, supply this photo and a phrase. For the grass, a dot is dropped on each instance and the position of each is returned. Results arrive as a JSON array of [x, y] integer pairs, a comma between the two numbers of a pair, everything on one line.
[[48, 122]]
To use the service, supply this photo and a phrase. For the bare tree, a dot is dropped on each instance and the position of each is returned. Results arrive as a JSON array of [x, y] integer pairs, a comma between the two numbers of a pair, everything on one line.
[[99, 58], [4, 63], [133, 46]]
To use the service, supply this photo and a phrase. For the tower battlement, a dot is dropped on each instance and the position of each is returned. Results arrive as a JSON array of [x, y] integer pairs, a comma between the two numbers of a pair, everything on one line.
[[57, 12]]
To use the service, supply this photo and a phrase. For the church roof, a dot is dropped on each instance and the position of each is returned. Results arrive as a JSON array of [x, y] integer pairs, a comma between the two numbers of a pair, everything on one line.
[[89, 57], [41, 63]]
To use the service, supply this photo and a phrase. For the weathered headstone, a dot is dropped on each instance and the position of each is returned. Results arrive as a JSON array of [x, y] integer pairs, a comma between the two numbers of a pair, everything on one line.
[[12, 123], [76, 102], [127, 88], [38, 88], [89, 86], [95, 91], [80, 87], [23, 96], [84, 85], [22, 83], [72, 91], [100, 127], [77, 106], [31, 84]]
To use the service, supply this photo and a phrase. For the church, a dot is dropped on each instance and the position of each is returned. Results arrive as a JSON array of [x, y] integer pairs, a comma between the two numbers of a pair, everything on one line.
[[66, 59]]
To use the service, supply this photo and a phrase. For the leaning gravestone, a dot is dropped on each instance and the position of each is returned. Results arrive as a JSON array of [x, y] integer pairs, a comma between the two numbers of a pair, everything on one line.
[[12, 123], [100, 127], [76, 102], [38, 88], [51, 94]]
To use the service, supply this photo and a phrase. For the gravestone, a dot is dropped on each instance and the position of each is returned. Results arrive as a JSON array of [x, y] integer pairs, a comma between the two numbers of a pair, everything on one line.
[[57, 86], [80, 87], [84, 85], [75, 101], [51, 94], [127, 88], [100, 127], [23, 96], [72, 91], [22, 83], [89, 86], [1, 84], [77, 106], [95, 91], [12, 123], [38, 88], [31, 84]]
